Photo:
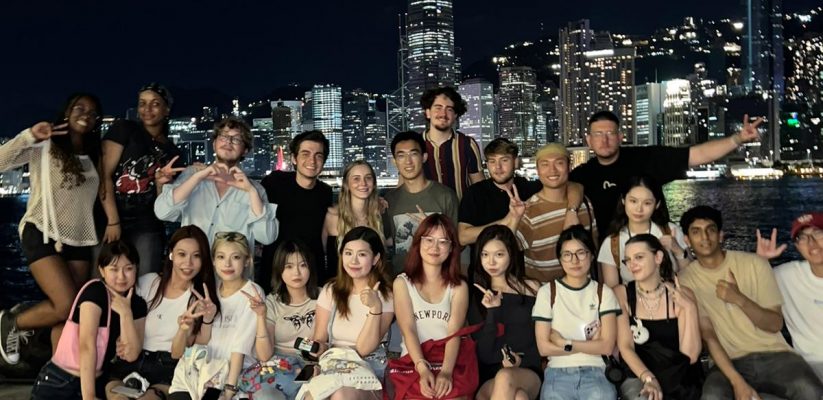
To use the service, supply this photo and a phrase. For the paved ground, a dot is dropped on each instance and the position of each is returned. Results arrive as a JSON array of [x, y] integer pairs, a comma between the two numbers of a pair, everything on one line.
[[15, 392]]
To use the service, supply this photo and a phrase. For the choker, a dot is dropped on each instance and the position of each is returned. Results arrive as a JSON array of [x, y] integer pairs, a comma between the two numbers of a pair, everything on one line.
[[644, 291]]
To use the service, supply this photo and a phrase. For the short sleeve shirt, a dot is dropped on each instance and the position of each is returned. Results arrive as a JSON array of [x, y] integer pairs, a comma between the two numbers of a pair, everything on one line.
[[452, 161], [290, 322]]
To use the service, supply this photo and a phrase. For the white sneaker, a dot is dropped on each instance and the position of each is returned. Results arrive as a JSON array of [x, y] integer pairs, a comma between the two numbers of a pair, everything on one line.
[[10, 338]]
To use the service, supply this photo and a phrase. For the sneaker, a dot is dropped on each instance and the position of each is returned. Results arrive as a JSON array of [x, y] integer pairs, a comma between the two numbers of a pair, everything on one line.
[[9, 338]]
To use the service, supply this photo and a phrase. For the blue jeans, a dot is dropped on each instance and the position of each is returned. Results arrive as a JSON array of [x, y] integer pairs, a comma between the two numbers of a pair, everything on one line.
[[576, 383], [782, 374], [54, 383]]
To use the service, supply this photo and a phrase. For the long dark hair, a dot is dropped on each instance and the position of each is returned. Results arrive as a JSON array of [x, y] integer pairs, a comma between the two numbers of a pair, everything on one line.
[[654, 245], [660, 215], [516, 270], [281, 255], [582, 235], [62, 148], [450, 270], [343, 284], [206, 274]]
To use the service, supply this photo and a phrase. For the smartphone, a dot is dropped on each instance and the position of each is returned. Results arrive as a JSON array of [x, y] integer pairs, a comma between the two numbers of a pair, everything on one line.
[[509, 353], [306, 345], [305, 374]]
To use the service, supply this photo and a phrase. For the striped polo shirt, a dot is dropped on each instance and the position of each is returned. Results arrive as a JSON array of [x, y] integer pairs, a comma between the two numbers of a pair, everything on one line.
[[453, 161]]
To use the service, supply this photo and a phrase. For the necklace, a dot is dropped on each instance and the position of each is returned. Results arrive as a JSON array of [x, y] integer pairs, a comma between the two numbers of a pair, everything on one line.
[[656, 288], [650, 304]]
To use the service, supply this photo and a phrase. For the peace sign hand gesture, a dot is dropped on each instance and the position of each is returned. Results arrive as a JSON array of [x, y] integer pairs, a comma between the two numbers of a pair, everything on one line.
[[186, 320], [683, 298], [749, 131], [44, 130], [370, 297], [166, 173], [256, 303], [205, 305], [490, 299], [517, 207]]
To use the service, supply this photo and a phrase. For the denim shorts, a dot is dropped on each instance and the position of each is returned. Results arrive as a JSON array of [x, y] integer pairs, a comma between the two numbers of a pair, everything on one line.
[[54, 383], [581, 383], [157, 367]]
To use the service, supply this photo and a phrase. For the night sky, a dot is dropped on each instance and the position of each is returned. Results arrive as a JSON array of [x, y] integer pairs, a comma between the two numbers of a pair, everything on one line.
[[248, 48]]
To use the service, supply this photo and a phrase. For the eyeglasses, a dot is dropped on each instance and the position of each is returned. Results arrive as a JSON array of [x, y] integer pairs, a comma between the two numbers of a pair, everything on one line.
[[637, 258], [81, 110], [231, 236], [230, 139], [805, 238], [430, 241], [580, 255], [602, 134], [405, 156]]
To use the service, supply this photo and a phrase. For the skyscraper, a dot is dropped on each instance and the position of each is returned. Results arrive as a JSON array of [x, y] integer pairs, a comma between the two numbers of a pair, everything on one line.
[[376, 143], [518, 117], [649, 106], [327, 114], [677, 113], [431, 52], [355, 110], [478, 121], [575, 40], [763, 46]]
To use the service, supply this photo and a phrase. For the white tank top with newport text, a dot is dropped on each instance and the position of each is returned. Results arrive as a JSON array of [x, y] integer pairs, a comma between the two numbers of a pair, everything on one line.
[[431, 320]]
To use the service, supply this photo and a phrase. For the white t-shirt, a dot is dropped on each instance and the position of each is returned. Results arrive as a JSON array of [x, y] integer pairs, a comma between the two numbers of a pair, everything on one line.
[[161, 321], [344, 331], [234, 329], [574, 316], [290, 322], [803, 309], [605, 255], [430, 320]]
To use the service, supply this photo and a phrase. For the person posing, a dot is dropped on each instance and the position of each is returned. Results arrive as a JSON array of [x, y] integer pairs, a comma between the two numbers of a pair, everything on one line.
[[414, 199], [575, 324], [229, 333], [220, 197], [431, 300], [302, 202], [659, 342], [57, 231], [286, 314], [642, 209], [603, 175], [106, 320], [354, 312], [740, 318], [509, 364], [138, 159], [358, 205], [169, 295]]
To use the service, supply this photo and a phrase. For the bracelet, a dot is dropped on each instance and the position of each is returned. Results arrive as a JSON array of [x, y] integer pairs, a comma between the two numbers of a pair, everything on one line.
[[208, 323], [114, 224], [736, 139], [230, 387], [642, 374], [423, 360], [371, 313]]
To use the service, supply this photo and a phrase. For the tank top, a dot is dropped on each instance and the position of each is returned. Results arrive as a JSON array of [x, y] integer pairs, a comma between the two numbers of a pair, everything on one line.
[[430, 320]]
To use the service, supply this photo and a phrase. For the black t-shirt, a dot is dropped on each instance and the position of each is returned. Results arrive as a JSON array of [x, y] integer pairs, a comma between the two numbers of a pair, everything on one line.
[[96, 293], [484, 202], [134, 188], [603, 183], [300, 212]]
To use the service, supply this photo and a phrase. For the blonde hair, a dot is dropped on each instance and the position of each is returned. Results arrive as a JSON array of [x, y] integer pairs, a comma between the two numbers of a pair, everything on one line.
[[236, 239], [346, 219]]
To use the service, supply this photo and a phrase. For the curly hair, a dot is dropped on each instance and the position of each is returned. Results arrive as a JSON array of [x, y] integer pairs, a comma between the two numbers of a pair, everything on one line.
[[63, 149]]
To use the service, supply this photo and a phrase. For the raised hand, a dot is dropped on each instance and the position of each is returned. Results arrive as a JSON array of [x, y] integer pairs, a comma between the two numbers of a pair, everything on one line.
[[670, 244], [44, 130], [767, 248], [728, 291], [186, 320], [239, 180], [683, 298], [167, 172], [119, 303], [370, 298], [749, 131], [517, 207], [205, 305], [490, 299], [217, 172], [256, 303]]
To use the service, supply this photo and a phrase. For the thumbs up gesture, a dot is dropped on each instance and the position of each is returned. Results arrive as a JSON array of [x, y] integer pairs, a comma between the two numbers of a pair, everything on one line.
[[728, 291], [370, 297]]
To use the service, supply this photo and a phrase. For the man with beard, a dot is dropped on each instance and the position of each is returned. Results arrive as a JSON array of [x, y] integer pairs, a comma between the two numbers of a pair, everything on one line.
[[610, 169], [219, 197], [543, 215], [416, 198], [739, 305], [302, 201], [454, 158]]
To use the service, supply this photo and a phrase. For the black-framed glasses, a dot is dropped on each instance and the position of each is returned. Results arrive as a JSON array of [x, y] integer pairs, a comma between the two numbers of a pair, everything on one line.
[[805, 238], [580, 255], [237, 139]]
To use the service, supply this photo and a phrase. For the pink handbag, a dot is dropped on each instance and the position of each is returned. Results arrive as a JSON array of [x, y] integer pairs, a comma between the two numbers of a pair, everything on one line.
[[67, 355]]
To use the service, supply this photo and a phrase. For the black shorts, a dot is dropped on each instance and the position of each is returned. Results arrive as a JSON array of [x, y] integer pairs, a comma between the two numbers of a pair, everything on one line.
[[34, 248], [157, 367]]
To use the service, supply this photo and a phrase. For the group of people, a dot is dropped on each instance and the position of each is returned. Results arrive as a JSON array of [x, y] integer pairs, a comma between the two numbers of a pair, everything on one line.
[[537, 310]]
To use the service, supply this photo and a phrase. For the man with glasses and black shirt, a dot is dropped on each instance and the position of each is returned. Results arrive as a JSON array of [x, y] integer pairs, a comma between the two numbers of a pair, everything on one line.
[[603, 175], [220, 197]]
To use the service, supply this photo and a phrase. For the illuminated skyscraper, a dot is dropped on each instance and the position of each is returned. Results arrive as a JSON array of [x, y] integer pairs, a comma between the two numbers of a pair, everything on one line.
[[763, 46], [431, 53], [649, 106], [678, 116], [478, 121], [575, 40], [518, 116], [327, 114], [610, 79]]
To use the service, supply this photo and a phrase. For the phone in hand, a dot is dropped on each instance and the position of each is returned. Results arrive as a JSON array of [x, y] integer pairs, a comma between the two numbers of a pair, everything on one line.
[[306, 345], [306, 373], [509, 354]]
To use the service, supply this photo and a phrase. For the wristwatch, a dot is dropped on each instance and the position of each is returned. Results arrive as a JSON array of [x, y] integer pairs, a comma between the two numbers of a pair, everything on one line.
[[568, 347]]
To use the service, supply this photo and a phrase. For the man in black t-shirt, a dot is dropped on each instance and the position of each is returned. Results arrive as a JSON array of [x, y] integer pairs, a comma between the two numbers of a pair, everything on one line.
[[605, 174], [302, 201]]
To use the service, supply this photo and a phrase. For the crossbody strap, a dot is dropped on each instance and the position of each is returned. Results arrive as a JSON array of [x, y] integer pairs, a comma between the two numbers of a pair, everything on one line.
[[77, 298]]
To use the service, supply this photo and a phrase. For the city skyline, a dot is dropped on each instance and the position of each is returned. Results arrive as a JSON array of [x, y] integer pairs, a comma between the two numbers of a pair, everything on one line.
[[111, 50]]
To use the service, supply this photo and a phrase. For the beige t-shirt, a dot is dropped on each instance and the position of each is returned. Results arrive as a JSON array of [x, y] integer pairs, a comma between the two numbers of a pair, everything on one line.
[[290, 322], [344, 331], [736, 332]]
